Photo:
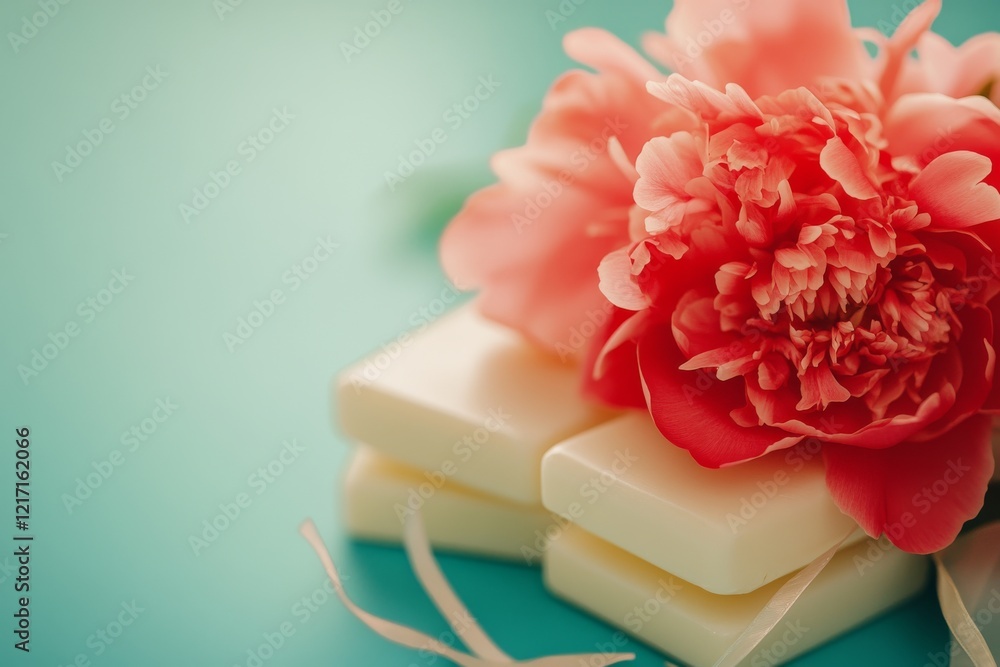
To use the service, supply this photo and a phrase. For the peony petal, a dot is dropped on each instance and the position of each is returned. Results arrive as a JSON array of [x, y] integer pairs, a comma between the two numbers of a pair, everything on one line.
[[842, 165], [992, 403], [950, 188], [620, 158], [618, 385], [511, 239], [904, 39], [605, 52], [844, 423], [695, 325], [692, 408], [926, 126], [765, 46], [666, 165], [918, 494], [701, 99], [956, 72], [629, 331], [617, 283], [975, 368], [820, 388]]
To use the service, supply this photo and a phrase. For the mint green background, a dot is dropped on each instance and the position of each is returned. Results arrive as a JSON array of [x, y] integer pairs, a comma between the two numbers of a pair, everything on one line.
[[162, 337]]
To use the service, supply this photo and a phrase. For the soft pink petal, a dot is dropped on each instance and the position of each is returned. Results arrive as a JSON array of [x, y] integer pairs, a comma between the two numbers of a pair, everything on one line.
[[909, 32], [957, 72], [510, 239], [605, 52], [765, 46], [842, 165], [928, 125], [617, 283], [666, 165], [950, 188], [704, 100]]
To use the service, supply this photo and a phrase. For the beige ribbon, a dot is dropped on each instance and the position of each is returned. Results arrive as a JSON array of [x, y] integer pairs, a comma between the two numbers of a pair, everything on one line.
[[776, 608], [484, 652], [968, 577], [969, 592]]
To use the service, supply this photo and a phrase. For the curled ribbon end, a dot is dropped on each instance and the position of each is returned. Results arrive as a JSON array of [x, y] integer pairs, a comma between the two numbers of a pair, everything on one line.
[[307, 529], [484, 652]]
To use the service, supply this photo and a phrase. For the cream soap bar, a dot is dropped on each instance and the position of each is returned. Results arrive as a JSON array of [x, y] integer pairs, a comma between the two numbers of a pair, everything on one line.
[[468, 398], [697, 627], [380, 493], [728, 531]]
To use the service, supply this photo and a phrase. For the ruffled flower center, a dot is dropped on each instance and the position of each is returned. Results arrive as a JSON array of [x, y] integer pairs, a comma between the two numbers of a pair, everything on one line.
[[831, 292]]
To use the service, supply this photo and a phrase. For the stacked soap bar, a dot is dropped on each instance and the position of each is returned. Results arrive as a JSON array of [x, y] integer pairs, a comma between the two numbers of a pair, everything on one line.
[[697, 627], [454, 421], [489, 438], [684, 557]]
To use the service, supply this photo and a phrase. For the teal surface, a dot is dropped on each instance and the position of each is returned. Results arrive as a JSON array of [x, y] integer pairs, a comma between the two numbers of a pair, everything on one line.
[[152, 410]]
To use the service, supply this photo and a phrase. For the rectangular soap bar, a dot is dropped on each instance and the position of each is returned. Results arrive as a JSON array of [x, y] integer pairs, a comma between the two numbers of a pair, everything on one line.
[[380, 493], [730, 530], [697, 627], [468, 398]]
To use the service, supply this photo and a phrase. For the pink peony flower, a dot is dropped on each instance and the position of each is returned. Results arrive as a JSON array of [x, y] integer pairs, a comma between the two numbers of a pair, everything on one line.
[[563, 189], [791, 239]]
